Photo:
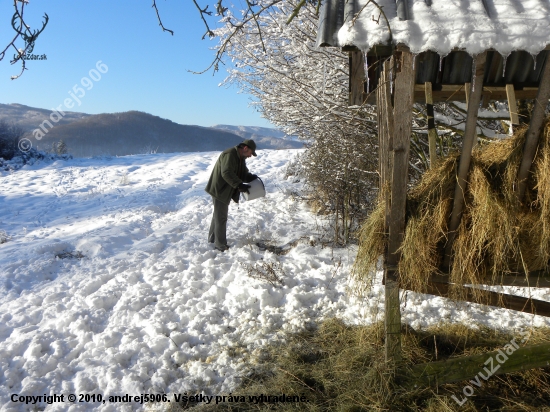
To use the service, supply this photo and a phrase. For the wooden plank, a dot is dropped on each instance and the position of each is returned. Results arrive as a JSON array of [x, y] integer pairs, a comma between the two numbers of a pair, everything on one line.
[[432, 132], [459, 96], [356, 78], [402, 129], [496, 299], [382, 150], [457, 93], [388, 133], [404, 84], [512, 104], [457, 88], [510, 358], [392, 318], [534, 280], [533, 133], [470, 137], [525, 281]]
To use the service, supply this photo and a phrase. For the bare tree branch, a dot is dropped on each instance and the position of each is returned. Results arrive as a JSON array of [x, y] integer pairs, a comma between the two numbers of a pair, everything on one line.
[[23, 31], [204, 11], [160, 21], [296, 11]]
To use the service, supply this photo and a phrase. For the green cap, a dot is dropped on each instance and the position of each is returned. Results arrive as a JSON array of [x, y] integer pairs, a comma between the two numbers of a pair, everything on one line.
[[252, 145]]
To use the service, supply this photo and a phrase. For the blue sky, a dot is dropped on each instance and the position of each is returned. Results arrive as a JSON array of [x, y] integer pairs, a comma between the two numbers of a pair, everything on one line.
[[148, 69]]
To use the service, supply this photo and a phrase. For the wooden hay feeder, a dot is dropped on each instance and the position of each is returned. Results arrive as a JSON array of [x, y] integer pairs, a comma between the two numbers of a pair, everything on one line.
[[391, 76]]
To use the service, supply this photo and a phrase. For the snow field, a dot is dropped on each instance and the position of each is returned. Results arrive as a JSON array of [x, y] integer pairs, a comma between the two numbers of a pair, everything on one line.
[[152, 307]]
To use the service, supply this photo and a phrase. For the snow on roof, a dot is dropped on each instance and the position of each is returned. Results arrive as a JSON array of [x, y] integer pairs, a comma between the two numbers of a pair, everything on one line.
[[438, 25]]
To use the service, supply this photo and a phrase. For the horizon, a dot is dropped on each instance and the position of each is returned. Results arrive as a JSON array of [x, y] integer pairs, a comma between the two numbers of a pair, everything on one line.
[[152, 114]]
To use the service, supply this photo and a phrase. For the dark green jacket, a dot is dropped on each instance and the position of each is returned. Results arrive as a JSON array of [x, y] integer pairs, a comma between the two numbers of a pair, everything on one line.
[[229, 172]]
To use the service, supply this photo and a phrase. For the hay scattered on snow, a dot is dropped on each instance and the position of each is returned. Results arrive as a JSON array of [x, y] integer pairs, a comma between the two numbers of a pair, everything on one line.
[[340, 367], [496, 236]]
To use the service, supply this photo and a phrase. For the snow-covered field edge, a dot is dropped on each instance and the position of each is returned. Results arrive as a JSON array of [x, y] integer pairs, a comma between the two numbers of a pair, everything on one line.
[[151, 307]]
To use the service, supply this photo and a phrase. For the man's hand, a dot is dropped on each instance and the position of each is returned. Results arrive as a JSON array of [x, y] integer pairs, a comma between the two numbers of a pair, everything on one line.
[[243, 187], [251, 177]]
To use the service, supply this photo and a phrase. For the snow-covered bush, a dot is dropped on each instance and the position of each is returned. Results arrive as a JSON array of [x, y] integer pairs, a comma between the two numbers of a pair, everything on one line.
[[30, 157]]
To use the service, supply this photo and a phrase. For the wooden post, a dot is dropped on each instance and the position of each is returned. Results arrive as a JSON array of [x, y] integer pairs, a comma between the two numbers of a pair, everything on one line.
[[470, 136], [432, 132], [533, 133], [385, 135], [512, 104], [467, 90], [402, 119]]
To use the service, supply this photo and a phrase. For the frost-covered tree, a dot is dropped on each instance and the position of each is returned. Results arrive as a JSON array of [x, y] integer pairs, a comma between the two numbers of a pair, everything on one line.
[[9, 139], [59, 147], [303, 90]]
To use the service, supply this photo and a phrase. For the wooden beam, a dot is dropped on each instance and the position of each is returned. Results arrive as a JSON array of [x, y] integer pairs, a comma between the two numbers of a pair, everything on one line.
[[512, 104], [382, 149], [533, 133], [432, 132], [525, 281], [388, 127], [504, 300], [402, 114], [356, 77], [470, 137], [534, 280], [457, 93], [402, 129], [510, 358], [392, 318], [486, 89]]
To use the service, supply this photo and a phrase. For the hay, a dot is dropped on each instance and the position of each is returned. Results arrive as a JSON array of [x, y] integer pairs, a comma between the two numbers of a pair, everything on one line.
[[497, 236], [372, 240]]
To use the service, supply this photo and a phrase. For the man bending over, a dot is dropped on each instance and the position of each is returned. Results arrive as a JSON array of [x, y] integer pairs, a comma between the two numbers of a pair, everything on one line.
[[227, 181]]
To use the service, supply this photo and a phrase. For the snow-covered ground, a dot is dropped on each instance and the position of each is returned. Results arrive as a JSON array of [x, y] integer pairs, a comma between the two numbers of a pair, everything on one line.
[[152, 307]]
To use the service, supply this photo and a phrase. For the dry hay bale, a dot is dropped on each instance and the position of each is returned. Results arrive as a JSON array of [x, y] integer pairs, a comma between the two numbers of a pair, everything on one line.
[[372, 238], [497, 235]]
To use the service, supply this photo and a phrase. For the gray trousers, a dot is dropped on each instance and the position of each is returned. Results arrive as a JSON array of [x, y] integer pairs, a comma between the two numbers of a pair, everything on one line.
[[218, 226]]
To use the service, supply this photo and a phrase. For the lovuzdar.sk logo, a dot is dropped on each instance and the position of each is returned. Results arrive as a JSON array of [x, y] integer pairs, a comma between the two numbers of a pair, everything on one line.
[[30, 57]]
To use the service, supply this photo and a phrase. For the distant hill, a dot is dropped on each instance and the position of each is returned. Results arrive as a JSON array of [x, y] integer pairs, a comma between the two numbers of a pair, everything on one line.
[[135, 132], [249, 131], [28, 118], [127, 133], [263, 136]]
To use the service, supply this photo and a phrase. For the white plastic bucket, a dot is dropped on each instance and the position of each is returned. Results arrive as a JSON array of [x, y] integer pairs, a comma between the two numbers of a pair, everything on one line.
[[257, 190]]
